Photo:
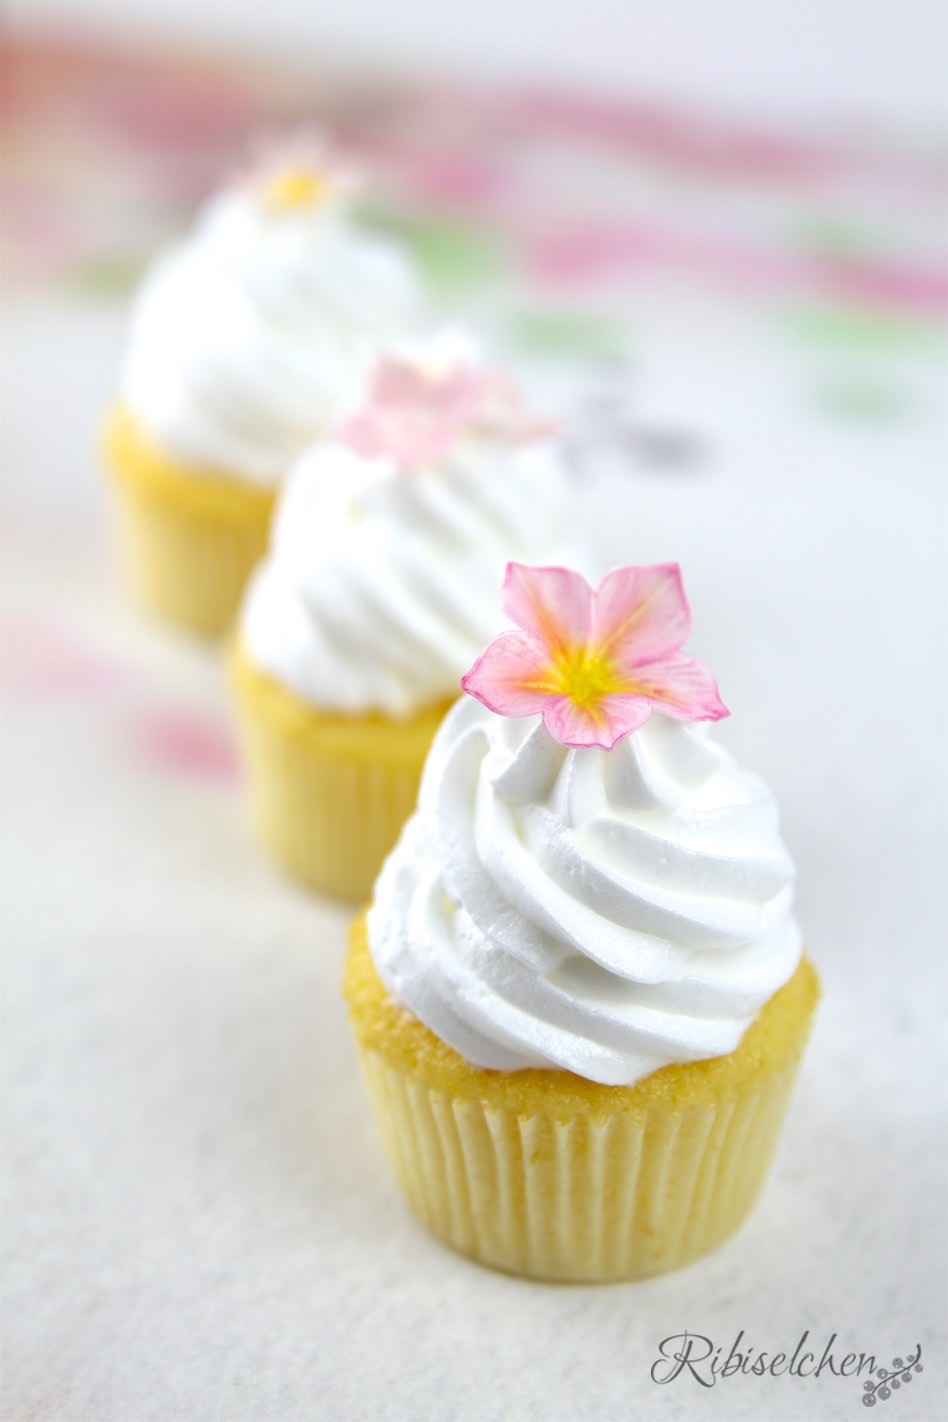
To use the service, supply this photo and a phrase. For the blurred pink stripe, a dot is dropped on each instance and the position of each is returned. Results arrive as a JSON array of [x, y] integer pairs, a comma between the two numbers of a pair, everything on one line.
[[586, 253], [41, 657], [187, 744], [702, 144]]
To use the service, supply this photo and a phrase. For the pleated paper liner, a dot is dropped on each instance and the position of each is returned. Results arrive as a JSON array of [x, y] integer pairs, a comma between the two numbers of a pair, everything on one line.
[[548, 1175], [190, 538], [329, 793]]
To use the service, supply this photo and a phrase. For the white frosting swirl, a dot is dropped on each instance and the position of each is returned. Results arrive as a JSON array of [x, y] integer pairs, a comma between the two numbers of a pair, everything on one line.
[[379, 589], [606, 912], [258, 330]]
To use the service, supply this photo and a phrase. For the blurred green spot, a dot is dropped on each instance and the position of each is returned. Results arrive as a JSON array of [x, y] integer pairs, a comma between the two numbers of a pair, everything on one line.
[[104, 276], [861, 400], [567, 335], [829, 237], [851, 328], [453, 257]]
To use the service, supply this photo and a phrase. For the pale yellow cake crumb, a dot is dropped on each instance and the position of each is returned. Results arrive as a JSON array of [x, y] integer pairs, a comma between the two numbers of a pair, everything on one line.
[[547, 1174], [190, 536], [329, 793]]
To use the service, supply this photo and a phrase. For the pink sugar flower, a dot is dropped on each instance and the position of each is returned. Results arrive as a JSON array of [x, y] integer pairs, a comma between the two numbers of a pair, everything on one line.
[[413, 415], [298, 169], [596, 662], [503, 412], [416, 416]]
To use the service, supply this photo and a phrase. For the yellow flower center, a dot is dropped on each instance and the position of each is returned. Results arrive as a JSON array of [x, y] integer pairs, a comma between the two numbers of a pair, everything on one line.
[[294, 187], [585, 676]]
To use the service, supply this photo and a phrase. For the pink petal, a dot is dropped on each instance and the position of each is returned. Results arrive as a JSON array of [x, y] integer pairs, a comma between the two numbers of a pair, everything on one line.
[[511, 676], [410, 438], [364, 432], [551, 604], [451, 395], [624, 713], [612, 718], [504, 413], [681, 686], [640, 614], [396, 382], [412, 416]]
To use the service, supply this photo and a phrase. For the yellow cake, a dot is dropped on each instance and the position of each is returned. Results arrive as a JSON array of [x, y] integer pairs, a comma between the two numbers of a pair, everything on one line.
[[190, 537], [547, 1174], [328, 792], [358, 624], [580, 995], [240, 354]]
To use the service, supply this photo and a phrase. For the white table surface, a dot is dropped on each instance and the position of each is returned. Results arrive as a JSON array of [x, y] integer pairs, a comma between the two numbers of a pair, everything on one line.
[[199, 1223]]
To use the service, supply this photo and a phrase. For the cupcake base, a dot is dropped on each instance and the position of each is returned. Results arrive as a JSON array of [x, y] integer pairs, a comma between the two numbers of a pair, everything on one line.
[[190, 538], [329, 793], [545, 1174]]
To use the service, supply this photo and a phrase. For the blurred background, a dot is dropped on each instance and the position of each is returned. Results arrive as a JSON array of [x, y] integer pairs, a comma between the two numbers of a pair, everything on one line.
[[716, 215], [711, 233]]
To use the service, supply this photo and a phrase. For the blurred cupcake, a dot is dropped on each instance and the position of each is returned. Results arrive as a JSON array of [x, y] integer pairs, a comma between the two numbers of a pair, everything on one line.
[[248, 338], [371, 603], [580, 996]]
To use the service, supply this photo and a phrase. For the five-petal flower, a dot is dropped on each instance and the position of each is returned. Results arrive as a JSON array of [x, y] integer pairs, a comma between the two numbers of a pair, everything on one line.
[[412, 414], [415, 413], [596, 662]]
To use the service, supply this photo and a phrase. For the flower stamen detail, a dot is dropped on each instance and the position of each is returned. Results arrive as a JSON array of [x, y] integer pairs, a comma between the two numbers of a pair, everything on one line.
[[293, 188]]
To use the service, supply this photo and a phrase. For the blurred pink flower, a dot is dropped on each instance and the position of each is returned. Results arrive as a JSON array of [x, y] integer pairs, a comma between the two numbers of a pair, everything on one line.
[[298, 167], [416, 416]]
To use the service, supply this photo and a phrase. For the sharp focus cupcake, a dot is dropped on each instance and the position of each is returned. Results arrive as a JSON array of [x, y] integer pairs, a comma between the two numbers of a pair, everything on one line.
[[372, 602], [580, 995], [248, 338]]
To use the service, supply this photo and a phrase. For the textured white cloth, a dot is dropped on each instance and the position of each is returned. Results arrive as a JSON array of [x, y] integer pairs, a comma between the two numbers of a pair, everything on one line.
[[199, 1222]]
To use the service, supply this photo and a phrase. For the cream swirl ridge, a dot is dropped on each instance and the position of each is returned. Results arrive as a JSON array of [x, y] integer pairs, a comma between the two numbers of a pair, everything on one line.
[[258, 330], [603, 912], [374, 595]]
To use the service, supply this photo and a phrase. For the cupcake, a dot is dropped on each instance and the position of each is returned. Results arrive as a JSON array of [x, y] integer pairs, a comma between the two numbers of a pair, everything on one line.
[[357, 626], [580, 995], [248, 338]]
